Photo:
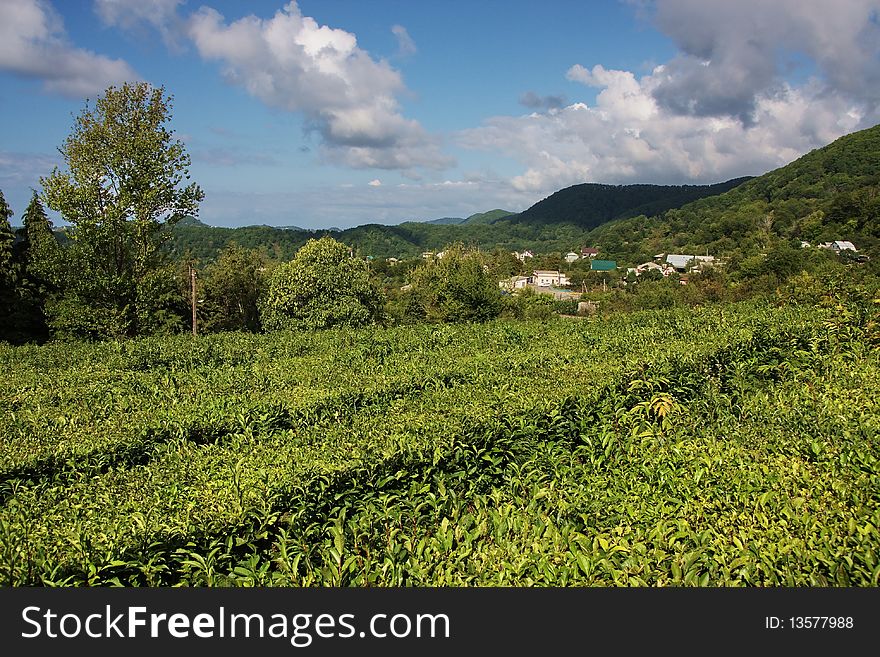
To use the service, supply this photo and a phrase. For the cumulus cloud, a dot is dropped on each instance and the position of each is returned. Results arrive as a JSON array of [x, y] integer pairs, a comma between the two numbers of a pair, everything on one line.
[[34, 44], [628, 137], [735, 53], [720, 109], [161, 15], [375, 183], [350, 99], [405, 45]]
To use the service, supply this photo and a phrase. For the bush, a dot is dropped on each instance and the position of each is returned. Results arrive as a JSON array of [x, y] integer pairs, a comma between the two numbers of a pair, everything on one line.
[[455, 288]]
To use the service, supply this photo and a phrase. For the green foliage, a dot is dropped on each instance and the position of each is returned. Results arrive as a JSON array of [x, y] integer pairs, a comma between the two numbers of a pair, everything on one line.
[[10, 279], [231, 289], [41, 253], [456, 287], [726, 446], [7, 275], [323, 286], [125, 185], [588, 205], [828, 194]]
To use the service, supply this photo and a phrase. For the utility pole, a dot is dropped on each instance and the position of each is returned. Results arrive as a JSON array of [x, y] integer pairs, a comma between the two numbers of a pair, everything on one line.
[[192, 278]]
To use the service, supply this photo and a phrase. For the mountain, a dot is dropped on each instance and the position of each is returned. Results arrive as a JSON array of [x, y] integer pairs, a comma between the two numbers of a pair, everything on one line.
[[444, 221], [831, 193], [589, 205], [489, 217]]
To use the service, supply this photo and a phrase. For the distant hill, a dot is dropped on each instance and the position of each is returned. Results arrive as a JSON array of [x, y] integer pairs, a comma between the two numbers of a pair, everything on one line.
[[589, 205], [489, 217], [479, 218], [831, 193], [444, 221]]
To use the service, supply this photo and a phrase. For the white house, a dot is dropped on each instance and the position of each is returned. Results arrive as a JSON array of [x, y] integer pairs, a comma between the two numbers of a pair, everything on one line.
[[514, 283], [838, 246], [522, 256], [549, 278], [653, 266], [679, 261], [571, 256], [683, 262]]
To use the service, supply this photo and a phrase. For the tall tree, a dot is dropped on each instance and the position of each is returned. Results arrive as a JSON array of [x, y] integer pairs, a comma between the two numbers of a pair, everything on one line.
[[323, 286], [6, 239], [41, 253], [231, 289], [124, 187], [9, 278]]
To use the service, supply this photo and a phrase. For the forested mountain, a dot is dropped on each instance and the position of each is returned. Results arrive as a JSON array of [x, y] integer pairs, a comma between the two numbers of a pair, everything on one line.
[[831, 193], [589, 205], [558, 223]]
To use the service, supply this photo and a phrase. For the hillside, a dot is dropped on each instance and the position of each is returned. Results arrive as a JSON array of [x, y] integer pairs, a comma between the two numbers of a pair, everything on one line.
[[831, 193], [589, 205]]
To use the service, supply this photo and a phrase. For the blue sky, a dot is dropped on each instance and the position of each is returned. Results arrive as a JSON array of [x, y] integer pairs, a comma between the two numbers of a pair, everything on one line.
[[323, 113]]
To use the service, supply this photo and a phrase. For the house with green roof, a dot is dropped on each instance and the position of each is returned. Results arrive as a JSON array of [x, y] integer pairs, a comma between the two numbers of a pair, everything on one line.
[[603, 265]]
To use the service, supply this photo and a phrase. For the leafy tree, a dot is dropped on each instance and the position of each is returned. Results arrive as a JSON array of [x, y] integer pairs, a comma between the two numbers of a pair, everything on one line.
[[456, 287], [124, 187], [323, 286], [231, 289]]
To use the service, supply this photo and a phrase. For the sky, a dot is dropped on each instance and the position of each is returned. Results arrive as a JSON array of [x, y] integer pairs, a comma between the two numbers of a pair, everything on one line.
[[336, 113]]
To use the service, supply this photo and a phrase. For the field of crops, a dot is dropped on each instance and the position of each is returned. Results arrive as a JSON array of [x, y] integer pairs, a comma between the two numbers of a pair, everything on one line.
[[719, 446]]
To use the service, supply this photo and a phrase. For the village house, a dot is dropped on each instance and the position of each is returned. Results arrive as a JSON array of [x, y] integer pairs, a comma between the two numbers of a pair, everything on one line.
[[589, 252], [571, 257], [522, 256], [838, 246], [548, 278], [683, 262], [603, 265], [664, 269], [514, 283]]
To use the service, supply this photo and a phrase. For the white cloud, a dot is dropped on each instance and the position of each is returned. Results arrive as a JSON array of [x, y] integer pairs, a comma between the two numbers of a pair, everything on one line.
[[720, 109], [350, 99], [33, 44], [734, 53], [375, 183], [405, 45], [131, 14], [627, 137]]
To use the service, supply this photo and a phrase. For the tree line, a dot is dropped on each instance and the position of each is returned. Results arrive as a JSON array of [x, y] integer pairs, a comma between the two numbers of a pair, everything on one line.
[[125, 185]]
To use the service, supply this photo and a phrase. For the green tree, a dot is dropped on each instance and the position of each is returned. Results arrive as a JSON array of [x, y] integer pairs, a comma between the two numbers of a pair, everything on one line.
[[41, 253], [231, 288], [456, 287], [37, 256], [125, 186], [7, 237], [9, 278], [322, 286]]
